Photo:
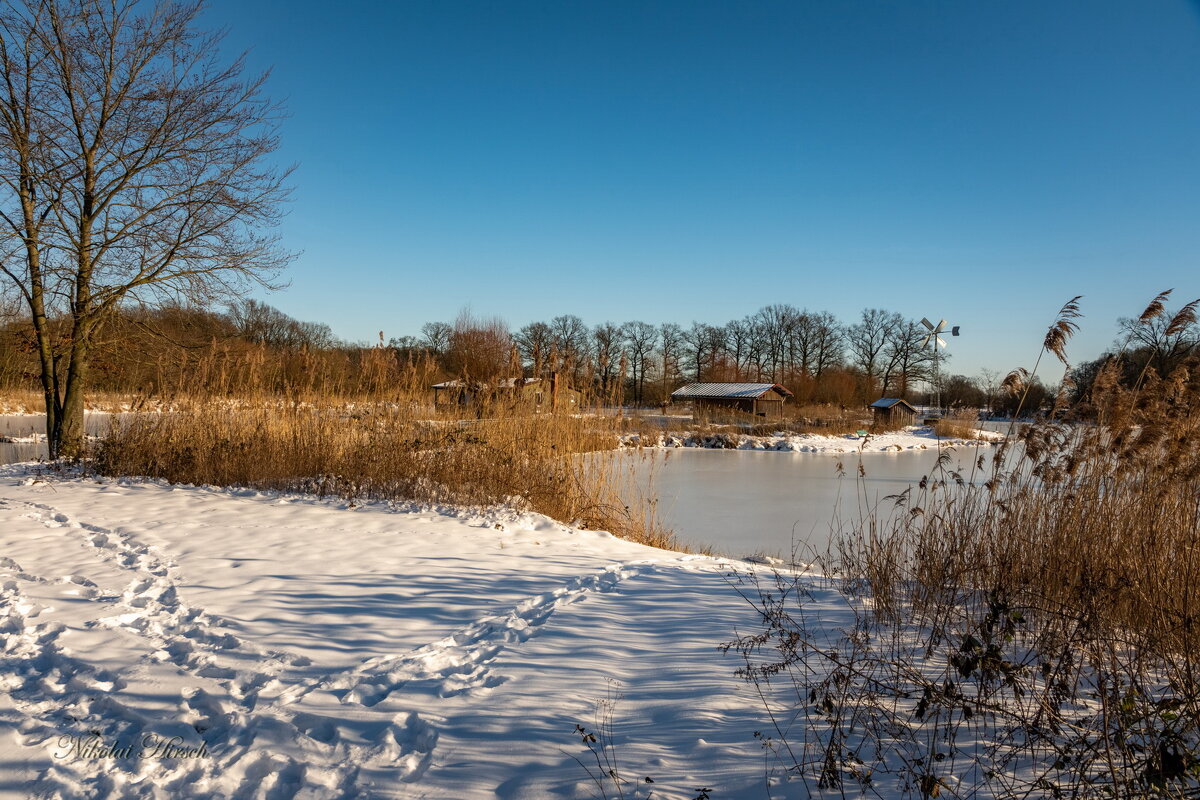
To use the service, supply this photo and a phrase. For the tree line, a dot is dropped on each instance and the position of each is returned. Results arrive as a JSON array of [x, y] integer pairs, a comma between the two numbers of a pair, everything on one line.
[[254, 346], [816, 356]]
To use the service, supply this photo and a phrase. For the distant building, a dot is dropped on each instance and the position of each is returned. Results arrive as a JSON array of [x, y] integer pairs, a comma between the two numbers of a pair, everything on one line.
[[893, 411], [551, 395], [759, 399]]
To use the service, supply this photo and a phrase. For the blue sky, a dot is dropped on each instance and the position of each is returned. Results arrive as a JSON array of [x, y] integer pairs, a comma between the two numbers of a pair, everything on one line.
[[680, 161]]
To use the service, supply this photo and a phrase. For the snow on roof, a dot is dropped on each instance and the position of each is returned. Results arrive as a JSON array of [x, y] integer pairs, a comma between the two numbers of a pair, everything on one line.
[[508, 383], [505, 383], [748, 391], [888, 402]]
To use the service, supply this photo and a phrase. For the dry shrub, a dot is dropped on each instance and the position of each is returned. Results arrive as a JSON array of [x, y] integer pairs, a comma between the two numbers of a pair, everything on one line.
[[962, 424], [388, 444], [823, 420], [1025, 625], [30, 401], [21, 401]]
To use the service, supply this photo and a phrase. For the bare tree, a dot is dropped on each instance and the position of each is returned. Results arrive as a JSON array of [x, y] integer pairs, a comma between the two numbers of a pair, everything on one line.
[[670, 345], [738, 336], [571, 344], [829, 342], [867, 339], [1157, 341], [989, 384], [535, 341], [776, 324], [436, 337], [608, 348], [135, 169], [959, 391], [639, 344], [758, 348], [814, 342], [260, 323], [904, 358], [479, 350], [697, 346]]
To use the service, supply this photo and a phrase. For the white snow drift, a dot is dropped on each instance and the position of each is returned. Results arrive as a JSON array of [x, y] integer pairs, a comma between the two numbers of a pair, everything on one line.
[[192, 642]]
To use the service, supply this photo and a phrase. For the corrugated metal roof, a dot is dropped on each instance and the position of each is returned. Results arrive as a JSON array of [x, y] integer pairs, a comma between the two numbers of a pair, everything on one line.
[[748, 391], [888, 402]]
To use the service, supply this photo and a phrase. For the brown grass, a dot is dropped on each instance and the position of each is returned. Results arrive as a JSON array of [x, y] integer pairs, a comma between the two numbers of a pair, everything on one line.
[[959, 425], [824, 420], [29, 401], [1034, 612], [1086, 519], [388, 445], [1058, 587]]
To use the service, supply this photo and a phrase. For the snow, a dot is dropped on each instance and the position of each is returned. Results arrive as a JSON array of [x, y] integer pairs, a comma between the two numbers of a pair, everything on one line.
[[30, 438], [911, 438], [294, 647]]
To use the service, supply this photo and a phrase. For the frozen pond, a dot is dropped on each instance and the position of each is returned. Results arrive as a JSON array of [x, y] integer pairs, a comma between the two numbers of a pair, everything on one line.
[[25, 425], [745, 502], [738, 502]]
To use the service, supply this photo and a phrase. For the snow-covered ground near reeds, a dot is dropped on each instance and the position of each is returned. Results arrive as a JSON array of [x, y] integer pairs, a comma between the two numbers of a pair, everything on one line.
[[163, 642], [911, 438], [28, 438]]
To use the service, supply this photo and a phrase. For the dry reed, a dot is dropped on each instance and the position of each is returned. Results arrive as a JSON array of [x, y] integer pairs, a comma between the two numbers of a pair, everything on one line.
[[231, 427], [824, 420], [963, 424], [1032, 621]]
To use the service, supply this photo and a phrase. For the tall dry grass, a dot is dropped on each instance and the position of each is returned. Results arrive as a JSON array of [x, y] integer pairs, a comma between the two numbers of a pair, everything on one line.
[[961, 424], [824, 420], [29, 401], [1027, 624], [231, 427]]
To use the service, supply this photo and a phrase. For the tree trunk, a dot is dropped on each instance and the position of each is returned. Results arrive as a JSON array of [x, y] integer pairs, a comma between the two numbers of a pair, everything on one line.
[[49, 376], [71, 428], [83, 320], [30, 233], [45, 347]]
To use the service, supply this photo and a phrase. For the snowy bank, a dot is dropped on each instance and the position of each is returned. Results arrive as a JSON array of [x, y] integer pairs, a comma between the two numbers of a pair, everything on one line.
[[165, 641], [911, 438]]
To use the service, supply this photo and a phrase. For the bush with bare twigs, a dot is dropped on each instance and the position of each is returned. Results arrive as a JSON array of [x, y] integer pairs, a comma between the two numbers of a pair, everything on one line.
[[1025, 625], [962, 424]]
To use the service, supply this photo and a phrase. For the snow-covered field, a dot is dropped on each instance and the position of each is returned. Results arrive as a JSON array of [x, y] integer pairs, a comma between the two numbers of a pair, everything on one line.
[[292, 647], [911, 438]]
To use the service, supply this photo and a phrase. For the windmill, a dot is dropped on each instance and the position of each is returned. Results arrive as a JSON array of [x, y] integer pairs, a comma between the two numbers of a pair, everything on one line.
[[934, 341]]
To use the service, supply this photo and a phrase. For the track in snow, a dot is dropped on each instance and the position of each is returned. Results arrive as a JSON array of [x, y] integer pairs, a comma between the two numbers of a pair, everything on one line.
[[251, 705]]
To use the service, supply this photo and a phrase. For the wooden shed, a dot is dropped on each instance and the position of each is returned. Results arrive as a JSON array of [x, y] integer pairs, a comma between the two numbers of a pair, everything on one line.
[[760, 399], [893, 411], [541, 395]]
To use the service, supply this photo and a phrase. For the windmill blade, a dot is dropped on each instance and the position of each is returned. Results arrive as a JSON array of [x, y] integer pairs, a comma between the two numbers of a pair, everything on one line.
[[925, 341], [941, 342], [941, 327], [925, 321]]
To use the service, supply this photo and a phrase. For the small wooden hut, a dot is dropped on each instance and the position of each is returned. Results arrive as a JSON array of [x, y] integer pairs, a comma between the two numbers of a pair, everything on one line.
[[541, 395], [759, 399], [892, 411]]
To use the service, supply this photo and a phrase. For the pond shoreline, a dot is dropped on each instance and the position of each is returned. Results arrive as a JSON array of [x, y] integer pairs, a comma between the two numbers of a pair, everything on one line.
[[916, 438]]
